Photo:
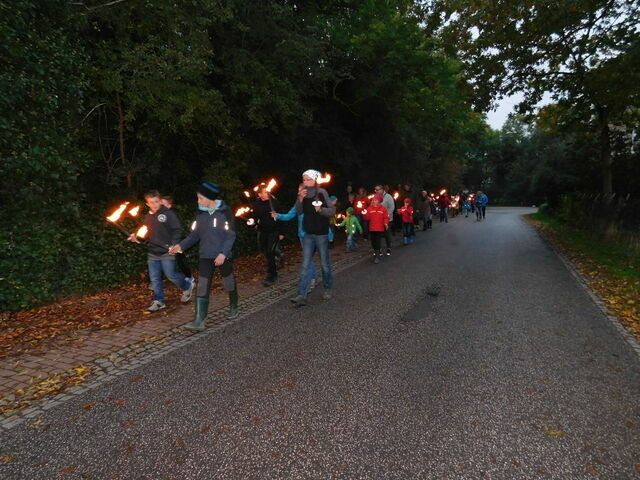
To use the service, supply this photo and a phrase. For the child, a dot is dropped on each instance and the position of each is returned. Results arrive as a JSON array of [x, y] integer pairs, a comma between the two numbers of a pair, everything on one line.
[[406, 213], [181, 258], [351, 226], [269, 232], [215, 231], [378, 218], [164, 229], [466, 207]]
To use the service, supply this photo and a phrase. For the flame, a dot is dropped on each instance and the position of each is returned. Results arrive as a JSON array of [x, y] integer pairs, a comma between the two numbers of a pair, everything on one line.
[[142, 231], [396, 195], [247, 194], [115, 216], [325, 179], [134, 211], [359, 204], [370, 197], [242, 211], [271, 185], [443, 191]]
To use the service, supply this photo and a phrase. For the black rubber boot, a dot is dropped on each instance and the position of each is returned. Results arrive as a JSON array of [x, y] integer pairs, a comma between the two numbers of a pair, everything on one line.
[[202, 308], [233, 304]]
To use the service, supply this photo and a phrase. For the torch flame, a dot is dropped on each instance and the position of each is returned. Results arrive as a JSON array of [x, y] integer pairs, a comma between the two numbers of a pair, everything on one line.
[[142, 231], [359, 205], [115, 216], [325, 179], [271, 185], [396, 195], [247, 194], [134, 211], [443, 191], [370, 197], [242, 211]]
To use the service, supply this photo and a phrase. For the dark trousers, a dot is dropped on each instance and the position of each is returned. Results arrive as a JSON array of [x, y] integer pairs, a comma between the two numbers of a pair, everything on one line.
[[268, 242], [206, 268], [183, 264], [387, 238], [376, 240], [408, 229]]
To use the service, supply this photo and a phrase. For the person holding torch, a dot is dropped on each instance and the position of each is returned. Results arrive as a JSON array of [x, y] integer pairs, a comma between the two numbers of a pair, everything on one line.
[[163, 228], [215, 231], [313, 201], [269, 231]]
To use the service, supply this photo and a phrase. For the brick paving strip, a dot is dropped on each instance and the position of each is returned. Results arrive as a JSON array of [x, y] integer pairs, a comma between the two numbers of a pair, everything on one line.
[[97, 357]]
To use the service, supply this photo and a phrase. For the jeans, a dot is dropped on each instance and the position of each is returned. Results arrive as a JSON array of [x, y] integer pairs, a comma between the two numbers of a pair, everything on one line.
[[408, 230], [443, 215], [168, 267], [351, 241], [309, 244]]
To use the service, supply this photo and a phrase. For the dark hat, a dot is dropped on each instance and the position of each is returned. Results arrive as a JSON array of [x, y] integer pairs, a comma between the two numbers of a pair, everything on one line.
[[210, 190]]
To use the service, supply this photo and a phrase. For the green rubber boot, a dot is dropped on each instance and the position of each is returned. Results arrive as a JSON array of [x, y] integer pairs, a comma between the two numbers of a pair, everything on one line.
[[233, 304], [202, 308]]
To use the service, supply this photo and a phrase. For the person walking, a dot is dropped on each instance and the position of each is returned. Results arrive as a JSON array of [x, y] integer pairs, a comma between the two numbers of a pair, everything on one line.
[[314, 203], [406, 212], [481, 204], [389, 203], [163, 230], [444, 203], [426, 210], [215, 231], [378, 219], [181, 259], [351, 227], [269, 231]]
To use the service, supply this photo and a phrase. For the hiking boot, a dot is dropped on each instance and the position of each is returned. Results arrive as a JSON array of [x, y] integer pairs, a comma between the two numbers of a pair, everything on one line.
[[186, 294], [299, 301], [156, 305]]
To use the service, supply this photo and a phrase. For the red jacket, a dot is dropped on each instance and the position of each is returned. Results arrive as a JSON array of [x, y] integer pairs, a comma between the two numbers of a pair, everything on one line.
[[378, 218], [406, 213], [444, 202]]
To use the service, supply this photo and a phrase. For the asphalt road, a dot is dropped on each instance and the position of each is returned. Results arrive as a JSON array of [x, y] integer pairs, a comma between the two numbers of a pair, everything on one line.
[[471, 354]]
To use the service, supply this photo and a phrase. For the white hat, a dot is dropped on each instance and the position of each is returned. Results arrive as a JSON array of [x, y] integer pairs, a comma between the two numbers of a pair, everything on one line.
[[314, 174]]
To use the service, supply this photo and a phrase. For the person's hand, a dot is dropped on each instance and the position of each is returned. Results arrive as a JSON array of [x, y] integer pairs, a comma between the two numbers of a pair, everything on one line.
[[386, 227], [251, 222], [133, 238], [274, 215], [174, 249], [219, 260], [302, 194], [318, 208], [281, 237]]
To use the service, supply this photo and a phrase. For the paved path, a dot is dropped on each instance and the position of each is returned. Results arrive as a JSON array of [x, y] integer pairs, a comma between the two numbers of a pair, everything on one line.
[[473, 353]]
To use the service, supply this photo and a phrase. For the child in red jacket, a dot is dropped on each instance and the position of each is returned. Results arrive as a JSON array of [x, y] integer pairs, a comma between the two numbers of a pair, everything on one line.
[[406, 213], [378, 219]]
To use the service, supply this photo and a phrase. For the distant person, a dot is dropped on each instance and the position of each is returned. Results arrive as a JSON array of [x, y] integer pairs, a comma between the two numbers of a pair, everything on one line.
[[427, 210], [406, 212], [466, 206], [389, 203], [444, 202], [378, 218], [332, 221], [481, 204], [361, 202], [351, 227], [164, 230], [269, 231]]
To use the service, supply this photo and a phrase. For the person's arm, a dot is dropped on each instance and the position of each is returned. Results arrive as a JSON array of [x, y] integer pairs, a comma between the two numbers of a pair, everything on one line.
[[330, 209], [174, 227], [290, 215]]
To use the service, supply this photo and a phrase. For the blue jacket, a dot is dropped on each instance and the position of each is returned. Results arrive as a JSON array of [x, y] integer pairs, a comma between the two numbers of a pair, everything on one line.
[[215, 231], [285, 217], [482, 200]]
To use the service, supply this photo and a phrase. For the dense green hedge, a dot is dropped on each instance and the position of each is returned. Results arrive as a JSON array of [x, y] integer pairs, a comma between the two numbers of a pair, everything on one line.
[[54, 257]]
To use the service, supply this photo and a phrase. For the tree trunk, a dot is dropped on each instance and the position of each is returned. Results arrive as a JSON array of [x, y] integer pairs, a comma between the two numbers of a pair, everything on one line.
[[606, 160], [121, 138]]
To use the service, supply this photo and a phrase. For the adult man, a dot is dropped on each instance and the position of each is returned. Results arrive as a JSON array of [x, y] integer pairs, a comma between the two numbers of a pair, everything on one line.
[[313, 201], [164, 230], [390, 205], [481, 204]]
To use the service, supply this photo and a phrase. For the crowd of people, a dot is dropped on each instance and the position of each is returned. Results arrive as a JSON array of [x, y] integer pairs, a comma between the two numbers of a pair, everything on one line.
[[367, 218]]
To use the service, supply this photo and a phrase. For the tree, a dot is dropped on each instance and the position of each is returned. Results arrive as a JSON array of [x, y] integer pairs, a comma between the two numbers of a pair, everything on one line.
[[584, 53]]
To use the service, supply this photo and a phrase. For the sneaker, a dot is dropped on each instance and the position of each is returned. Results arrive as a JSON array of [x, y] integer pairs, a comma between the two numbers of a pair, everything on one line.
[[299, 301], [376, 259], [326, 295], [388, 252], [156, 305], [188, 293]]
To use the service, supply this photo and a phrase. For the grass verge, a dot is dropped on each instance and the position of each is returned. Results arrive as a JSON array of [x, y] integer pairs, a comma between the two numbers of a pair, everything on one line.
[[611, 268]]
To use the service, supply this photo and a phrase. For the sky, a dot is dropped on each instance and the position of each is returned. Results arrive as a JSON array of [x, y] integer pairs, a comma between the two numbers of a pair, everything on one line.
[[506, 106]]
